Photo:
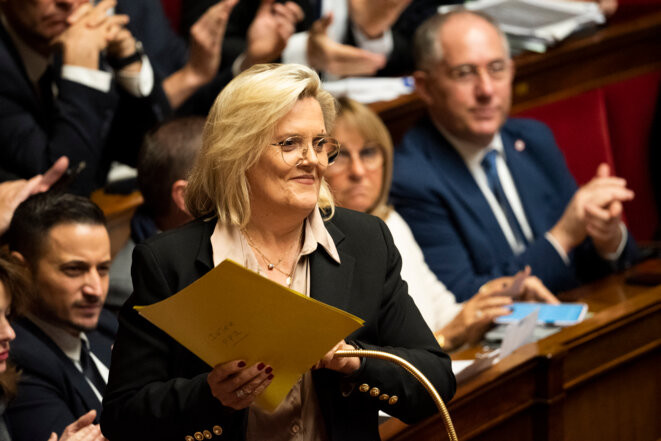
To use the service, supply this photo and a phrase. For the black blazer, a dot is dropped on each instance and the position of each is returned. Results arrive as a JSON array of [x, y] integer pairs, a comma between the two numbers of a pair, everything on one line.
[[158, 389], [52, 392]]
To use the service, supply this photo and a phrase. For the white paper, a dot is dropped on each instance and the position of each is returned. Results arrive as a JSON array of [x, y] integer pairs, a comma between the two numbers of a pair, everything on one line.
[[370, 90]]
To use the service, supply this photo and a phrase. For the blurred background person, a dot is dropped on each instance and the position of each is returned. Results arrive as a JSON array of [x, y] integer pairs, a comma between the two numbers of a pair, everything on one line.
[[258, 194], [15, 291], [64, 339], [89, 80], [360, 180], [166, 157], [491, 191], [337, 37]]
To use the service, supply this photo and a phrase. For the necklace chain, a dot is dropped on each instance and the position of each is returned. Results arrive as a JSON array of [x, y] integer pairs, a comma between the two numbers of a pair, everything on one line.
[[270, 265]]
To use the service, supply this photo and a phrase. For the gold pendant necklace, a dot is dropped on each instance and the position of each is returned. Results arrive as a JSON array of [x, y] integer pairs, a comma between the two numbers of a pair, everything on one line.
[[270, 265]]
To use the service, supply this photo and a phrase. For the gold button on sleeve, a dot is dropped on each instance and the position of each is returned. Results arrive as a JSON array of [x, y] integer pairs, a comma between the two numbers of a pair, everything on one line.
[[189, 438], [207, 434], [217, 430], [364, 387], [393, 400], [198, 436], [384, 397], [375, 392]]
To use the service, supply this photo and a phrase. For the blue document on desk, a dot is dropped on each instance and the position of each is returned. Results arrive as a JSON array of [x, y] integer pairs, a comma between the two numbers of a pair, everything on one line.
[[564, 314]]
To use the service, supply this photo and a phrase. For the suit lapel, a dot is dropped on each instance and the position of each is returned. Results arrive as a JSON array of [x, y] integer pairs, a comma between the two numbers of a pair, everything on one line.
[[71, 372], [464, 189], [18, 62], [331, 283], [524, 172]]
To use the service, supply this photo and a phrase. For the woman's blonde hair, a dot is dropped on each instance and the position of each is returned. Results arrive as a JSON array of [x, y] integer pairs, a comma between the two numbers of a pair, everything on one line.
[[362, 119], [240, 126]]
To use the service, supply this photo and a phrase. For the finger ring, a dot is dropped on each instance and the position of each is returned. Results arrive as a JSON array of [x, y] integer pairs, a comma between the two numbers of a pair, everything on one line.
[[240, 393], [479, 314], [246, 391]]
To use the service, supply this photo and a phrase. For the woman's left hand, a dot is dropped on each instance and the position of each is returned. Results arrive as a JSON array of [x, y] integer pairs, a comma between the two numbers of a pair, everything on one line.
[[345, 365], [521, 286]]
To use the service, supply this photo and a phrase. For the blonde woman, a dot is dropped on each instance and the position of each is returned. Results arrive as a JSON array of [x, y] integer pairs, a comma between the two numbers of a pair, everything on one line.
[[360, 180], [259, 194]]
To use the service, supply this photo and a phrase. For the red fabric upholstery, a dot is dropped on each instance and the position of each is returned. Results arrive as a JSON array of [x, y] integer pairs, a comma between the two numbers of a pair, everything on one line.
[[611, 125], [580, 127], [630, 108], [172, 9]]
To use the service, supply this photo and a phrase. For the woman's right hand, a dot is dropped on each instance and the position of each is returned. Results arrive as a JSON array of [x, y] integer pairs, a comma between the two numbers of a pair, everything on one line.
[[81, 430], [237, 386]]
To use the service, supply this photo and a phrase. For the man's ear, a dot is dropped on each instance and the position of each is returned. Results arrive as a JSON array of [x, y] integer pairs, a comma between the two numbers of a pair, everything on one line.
[[19, 258], [422, 79], [178, 192]]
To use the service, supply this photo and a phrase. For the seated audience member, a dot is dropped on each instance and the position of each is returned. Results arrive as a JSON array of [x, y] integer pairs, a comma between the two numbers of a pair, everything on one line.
[[258, 194], [486, 195], [12, 193], [360, 180], [15, 290], [77, 82], [165, 160], [63, 342], [338, 37]]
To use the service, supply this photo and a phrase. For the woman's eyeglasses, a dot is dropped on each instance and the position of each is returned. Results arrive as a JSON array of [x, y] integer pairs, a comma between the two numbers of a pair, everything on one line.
[[295, 148], [370, 156]]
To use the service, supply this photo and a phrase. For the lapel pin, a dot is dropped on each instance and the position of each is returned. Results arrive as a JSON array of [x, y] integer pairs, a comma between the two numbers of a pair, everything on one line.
[[519, 145]]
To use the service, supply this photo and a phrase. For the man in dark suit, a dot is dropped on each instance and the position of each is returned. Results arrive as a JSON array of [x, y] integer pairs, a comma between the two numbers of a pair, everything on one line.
[[63, 343], [486, 195], [76, 81]]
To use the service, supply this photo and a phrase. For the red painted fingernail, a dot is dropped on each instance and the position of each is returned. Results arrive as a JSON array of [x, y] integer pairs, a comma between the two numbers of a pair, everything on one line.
[[270, 377], [242, 364], [268, 370], [260, 366]]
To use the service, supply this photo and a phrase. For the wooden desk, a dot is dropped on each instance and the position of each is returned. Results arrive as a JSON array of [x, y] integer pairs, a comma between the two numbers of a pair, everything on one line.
[[598, 380], [629, 45]]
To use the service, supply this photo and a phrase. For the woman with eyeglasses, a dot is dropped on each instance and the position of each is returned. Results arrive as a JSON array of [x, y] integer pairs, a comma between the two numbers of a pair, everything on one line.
[[360, 180], [259, 194]]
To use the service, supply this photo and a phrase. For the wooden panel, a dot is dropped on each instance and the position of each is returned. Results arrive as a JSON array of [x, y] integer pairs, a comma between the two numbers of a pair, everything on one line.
[[599, 380]]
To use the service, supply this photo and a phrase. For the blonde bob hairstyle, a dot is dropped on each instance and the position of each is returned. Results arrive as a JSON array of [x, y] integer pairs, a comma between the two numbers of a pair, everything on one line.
[[239, 128], [362, 119]]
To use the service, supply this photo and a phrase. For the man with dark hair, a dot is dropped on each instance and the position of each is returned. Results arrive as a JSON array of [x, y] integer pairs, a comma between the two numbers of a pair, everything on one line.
[[484, 194], [165, 159], [63, 343]]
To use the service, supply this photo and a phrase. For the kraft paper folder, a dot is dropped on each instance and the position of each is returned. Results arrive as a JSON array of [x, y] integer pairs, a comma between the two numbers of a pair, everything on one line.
[[233, 313]]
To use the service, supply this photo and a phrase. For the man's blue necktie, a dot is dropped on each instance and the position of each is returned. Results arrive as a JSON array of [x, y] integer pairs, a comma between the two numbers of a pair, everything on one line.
[[489, 165]]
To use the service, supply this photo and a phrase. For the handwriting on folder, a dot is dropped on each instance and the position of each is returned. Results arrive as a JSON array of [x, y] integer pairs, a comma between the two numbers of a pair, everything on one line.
[[232, 313]]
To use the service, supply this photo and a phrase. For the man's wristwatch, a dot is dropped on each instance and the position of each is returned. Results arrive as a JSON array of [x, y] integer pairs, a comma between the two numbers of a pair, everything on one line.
[[121, 63]]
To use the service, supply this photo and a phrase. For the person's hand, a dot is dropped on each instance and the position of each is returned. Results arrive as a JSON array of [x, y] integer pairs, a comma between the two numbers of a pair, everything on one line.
[[235, 385], [339, 59], [597, 203], [123, 45], [374, 17], [90, 31], [477, 314], [345, 365], [269, 32], [520, 287], [81, 430], [206, 40], [12, 193]]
